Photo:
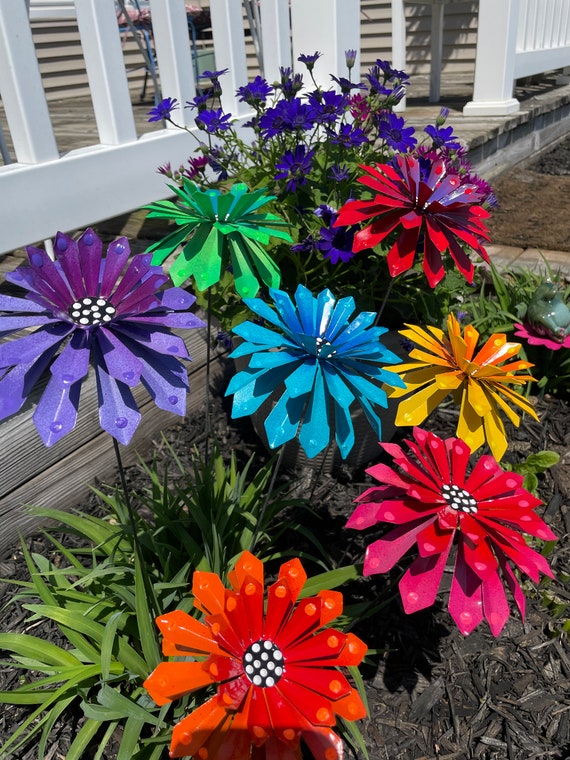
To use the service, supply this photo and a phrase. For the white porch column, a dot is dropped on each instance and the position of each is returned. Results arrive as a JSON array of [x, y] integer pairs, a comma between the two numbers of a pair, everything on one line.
[[495, 59], [329, 27]]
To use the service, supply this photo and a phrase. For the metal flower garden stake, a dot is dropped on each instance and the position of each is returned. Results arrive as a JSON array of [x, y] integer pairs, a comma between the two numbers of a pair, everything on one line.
[[219, 231], [89, 309]]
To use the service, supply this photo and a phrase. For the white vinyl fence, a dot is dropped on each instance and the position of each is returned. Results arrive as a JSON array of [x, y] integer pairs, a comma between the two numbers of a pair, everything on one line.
[[43, 192], [515, 39]]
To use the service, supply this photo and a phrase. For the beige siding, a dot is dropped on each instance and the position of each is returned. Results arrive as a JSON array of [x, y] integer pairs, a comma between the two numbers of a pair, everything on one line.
[[63, 69]]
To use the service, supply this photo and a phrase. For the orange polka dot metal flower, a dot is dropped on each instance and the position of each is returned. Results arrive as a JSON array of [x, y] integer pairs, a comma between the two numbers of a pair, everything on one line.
[[480, 382], [276, 671]]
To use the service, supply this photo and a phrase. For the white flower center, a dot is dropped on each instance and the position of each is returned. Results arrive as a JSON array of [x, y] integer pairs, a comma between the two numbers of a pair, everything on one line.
[[263, 663], [91, 311], [459, 499]]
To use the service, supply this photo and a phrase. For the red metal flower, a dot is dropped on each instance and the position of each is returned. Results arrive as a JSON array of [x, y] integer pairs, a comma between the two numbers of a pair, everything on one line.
[[436, 504], [278, 679], [430, 209]]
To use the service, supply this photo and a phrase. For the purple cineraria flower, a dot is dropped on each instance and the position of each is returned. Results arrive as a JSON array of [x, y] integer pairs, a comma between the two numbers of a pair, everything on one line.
[[346, 85], [391, 73], [196, 166], [339, 172], [392, 129], [335, 243], [290, 85], [442, 137], [256, 92], [350, 58], [328, 106], [348, 136], [213, 74], [304, 246], [294, 167], [200, 102], [85, 313], [213, 120], [287, 116], [309, 60], [326, 213], [163, 110]]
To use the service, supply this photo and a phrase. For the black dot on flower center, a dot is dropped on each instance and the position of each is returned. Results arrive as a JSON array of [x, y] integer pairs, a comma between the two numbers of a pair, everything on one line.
[[459, 499], [91, 311], [263, 663]]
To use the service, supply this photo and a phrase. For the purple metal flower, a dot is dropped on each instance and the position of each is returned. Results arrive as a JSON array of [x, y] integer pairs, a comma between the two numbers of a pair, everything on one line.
[[85, 313], [294, 167]]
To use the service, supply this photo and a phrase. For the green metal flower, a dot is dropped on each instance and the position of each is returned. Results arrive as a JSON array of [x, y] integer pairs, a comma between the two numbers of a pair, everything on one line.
[[219, 228]]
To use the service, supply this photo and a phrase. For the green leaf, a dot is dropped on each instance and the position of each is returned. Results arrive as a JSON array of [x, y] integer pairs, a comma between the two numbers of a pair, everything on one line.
[[542, 460], [85, 736], [30, 646], [124, 706], [108, 643], [130, 739], [331, 579], [145, 622]]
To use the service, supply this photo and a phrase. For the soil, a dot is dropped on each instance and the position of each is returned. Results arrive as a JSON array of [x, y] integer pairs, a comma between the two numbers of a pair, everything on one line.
[[533, 203], [433, 693]]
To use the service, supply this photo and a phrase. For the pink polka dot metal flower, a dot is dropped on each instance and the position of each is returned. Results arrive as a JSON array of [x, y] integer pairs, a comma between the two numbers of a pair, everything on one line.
[[79, 311], [435, 503]]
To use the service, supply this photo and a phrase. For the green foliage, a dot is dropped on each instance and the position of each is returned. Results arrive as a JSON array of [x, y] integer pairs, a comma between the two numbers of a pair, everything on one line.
[[102, 600], [533, 466]]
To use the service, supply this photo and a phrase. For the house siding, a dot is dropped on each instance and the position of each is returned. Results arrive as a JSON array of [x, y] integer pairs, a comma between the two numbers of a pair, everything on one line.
[[63, 68]]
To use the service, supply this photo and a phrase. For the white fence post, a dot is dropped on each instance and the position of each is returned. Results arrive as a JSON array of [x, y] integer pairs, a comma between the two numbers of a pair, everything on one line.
[[329, 27], [495, 59], [103, 54], [170, 30], [276, 37], [227, 17], [21, 87]]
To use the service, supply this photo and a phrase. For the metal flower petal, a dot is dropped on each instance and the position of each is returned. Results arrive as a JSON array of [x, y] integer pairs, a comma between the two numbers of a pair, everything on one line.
[[436, 503], [480, 380], [276, 667], [317, 363], [84, 312], [428, 209], [219, 230]]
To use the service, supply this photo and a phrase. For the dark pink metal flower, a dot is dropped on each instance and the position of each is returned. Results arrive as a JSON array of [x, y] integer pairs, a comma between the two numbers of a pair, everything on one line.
[[436, 504], [429, 209]]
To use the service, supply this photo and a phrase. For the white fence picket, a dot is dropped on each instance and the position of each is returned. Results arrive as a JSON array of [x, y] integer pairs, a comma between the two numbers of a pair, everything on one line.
[[516, 39]]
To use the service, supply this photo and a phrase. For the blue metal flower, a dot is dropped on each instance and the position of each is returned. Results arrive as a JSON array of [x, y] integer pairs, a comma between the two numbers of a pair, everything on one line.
[[79, 311], [319, 362]]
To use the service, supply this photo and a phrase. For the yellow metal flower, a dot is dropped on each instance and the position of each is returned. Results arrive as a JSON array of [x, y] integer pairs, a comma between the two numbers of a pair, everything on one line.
[[448, 363]]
